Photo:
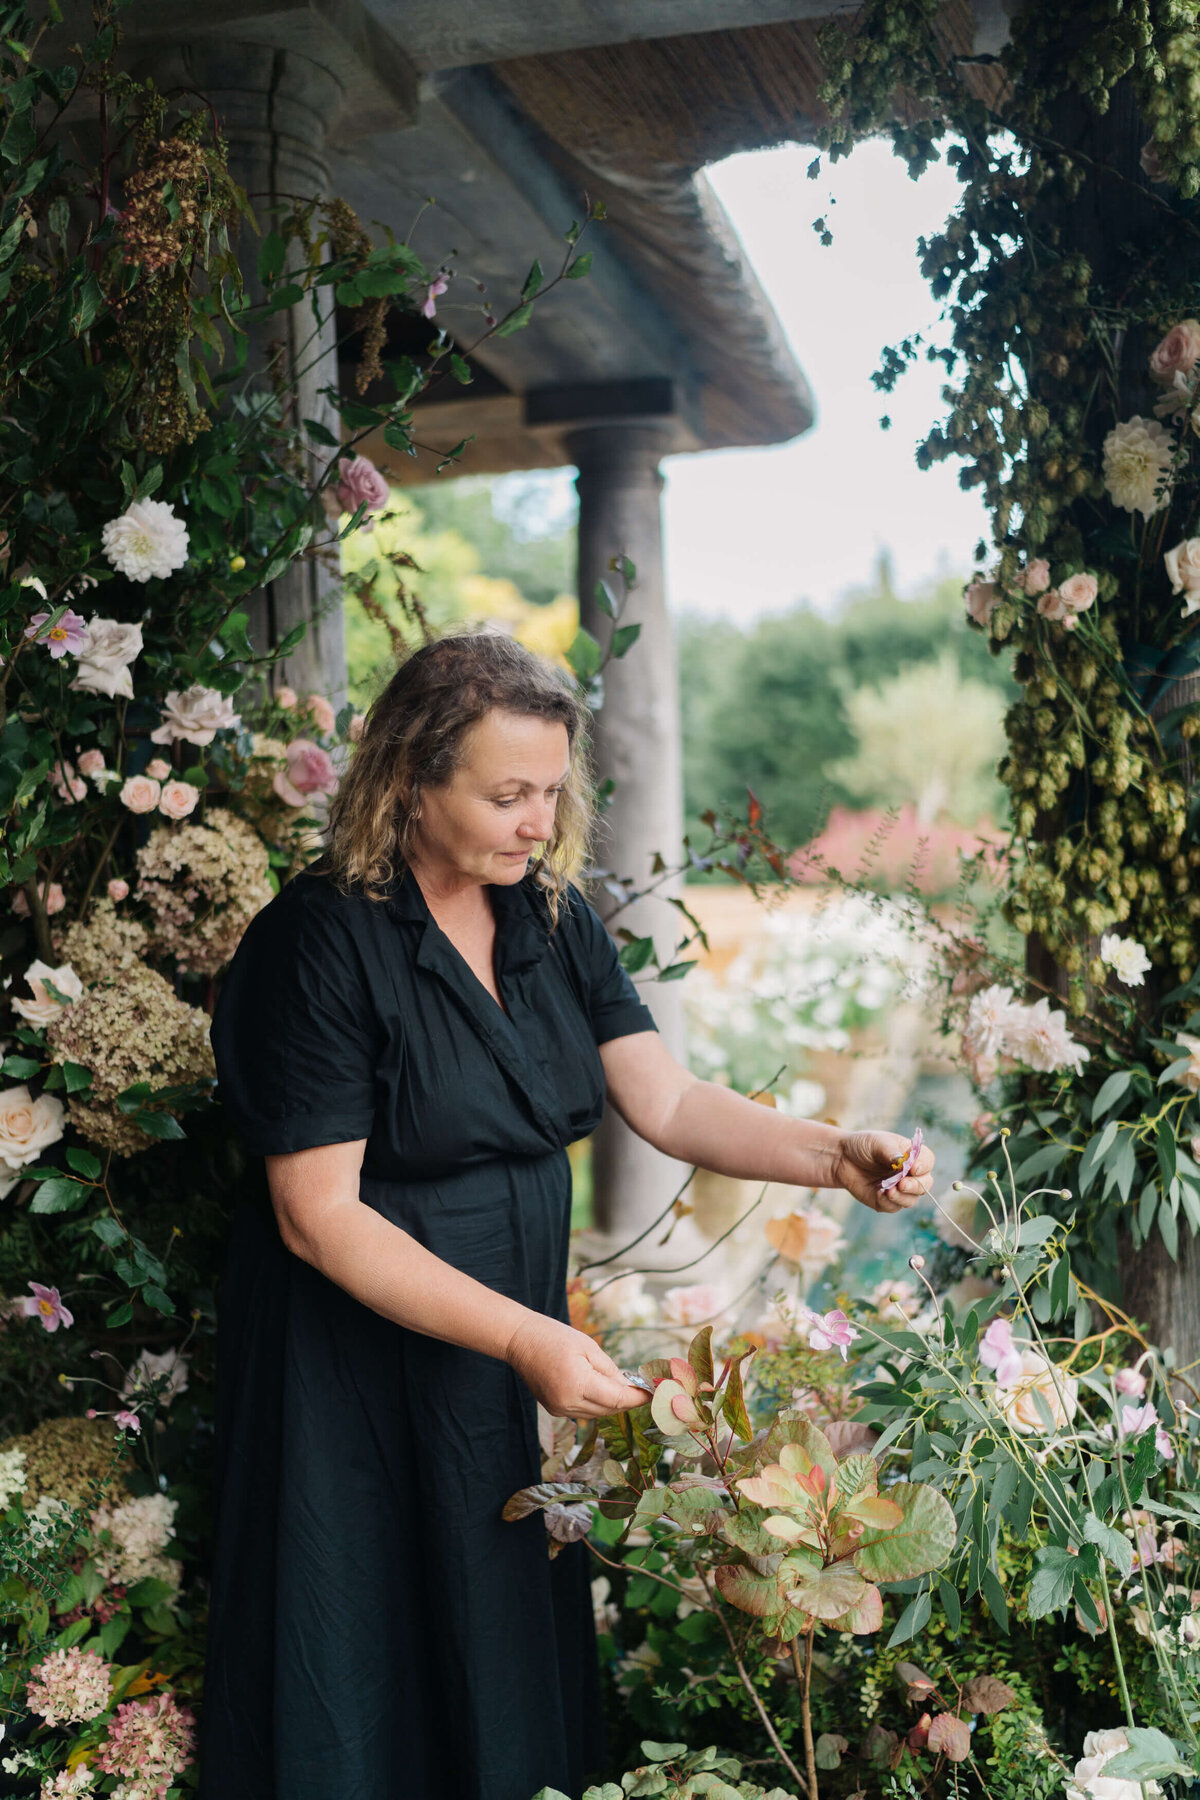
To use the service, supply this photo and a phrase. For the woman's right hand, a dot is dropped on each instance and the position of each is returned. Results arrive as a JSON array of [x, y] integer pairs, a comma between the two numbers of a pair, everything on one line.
[[568, 1371]]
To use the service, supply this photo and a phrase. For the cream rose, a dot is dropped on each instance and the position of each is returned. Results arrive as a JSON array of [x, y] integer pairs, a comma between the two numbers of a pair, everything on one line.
[[118, 889], [140, 794], [1059, 1393], [43, 1009], [1177, 353], [103, 666], [27, 1126], [1078, 592], [196, 715], [158, 769], [1183, 572], [1035, 579], [178, 799]]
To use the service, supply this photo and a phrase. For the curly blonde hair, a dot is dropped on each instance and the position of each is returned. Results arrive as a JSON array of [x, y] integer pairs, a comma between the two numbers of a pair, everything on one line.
[[413, 739]]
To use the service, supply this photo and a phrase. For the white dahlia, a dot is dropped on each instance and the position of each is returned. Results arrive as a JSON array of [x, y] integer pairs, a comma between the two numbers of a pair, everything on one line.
[[146, 540], [1137, 462]]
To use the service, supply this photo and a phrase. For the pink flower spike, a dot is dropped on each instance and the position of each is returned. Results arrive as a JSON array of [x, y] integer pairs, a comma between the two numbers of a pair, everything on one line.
[[437, 286], [46, 1307], [907, 1165], [69, 633], [829, 1331], [128, 1421]]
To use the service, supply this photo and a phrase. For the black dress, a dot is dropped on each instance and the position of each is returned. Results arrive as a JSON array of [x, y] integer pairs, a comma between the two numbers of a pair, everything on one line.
[[377, 1631]]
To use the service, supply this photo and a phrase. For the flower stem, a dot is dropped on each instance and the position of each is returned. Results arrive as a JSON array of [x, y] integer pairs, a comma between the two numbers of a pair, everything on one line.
[[804, 1677]]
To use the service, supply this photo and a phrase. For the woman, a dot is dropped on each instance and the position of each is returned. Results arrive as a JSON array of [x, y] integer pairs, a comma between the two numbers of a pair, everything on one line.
[[408, 1038]]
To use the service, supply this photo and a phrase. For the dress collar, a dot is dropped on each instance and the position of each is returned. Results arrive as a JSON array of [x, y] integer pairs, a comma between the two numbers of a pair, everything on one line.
[[522, 921]]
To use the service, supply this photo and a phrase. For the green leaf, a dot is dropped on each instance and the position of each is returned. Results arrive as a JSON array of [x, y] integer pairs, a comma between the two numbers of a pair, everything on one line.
[[794, 1428], [515, 321], [923, 1541], [993, 1599], [1168, 1226], [750, 1593], [533, 281], [320, 434], [159, 1125], [1113, 1545], [676, 971], [19, 1068], [584, 655], [605, 599], [700, 1354], [624, 638], [154, 1296], [733, 1403], [913, 1619], [1165, 1149], [272, 255], [149, 1591], [76, 1077], [827, 1593], [580, 267], [108, 1231], [1053, 1584], [951, 1605], [1111, 1092], [84, 1163], [634, 957], [1151, 1755], [58, 1196], [460, 368], [120, 1315]]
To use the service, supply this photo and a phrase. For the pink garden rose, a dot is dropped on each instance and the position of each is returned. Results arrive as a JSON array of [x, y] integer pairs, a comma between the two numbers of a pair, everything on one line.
[[1035, 578], [67, 784], [359, 483], [1078, 592], [285, 697], [118, 889], [310, 771], [91, 762], [321, 713], [1178, 353], [158, 768], [140, 794], [53, 899], [982, 600], [178, 799]]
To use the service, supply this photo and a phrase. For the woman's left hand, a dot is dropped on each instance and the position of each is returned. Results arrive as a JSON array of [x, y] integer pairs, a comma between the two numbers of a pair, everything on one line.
[[868, 1157]]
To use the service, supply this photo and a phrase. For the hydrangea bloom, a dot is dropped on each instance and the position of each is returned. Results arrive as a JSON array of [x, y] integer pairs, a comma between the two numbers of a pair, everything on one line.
[[69, 1687], [149, 1742], [146, 540]]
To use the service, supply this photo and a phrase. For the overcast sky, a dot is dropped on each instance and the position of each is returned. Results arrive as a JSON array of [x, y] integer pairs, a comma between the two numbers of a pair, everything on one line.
[[754, 531]]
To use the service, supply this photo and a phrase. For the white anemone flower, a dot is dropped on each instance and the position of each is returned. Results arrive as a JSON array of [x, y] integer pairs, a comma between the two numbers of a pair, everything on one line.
[[146, 540]]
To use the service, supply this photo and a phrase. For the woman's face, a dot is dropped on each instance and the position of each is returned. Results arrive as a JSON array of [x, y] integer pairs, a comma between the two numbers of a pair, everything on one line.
[[499, 804]]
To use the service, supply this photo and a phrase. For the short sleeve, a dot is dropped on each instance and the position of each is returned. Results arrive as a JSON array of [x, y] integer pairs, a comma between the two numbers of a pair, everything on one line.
[[295, 1033], [613, 1004]]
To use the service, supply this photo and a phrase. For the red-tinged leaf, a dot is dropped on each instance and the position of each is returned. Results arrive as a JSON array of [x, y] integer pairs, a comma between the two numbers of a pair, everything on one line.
[[750, 1593], [987, 1694], [865, 1617], [875, 1510], [827, 1593], [848, 1438], [700, 1354], [922, 1541], [950, 1736], [684, 1407], [916, 1681], [795, 1428], [734, 1403], [685, 1375], [755, 809]]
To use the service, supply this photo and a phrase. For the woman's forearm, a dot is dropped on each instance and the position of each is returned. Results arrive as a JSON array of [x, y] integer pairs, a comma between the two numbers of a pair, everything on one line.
[[721, 1130], [380, 1265]]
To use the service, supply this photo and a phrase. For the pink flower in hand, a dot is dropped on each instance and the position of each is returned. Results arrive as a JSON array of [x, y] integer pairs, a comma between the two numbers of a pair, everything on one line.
[[829, 1331], [310, 771], [437, 286], [46, 1307], [907, 1164], [997, 1351], [359, 484], [70, 633]]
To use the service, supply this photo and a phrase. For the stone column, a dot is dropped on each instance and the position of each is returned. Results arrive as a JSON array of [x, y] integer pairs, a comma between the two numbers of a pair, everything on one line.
[[276, 107], [637, 744]]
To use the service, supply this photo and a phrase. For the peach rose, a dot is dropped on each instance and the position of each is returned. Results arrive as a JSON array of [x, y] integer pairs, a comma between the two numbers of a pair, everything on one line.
[[1035, 579], [178, 799], [158, 769], [982, 600], [285, 697], [1077, 593], [1178, 353], [67, 784], [1050, 606], [118, 889], [140, 794], [43, 1009], [1058, 1391], [91, 763], [27, 1126], [53, 899], [321, 713]]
